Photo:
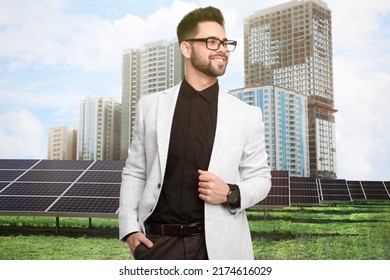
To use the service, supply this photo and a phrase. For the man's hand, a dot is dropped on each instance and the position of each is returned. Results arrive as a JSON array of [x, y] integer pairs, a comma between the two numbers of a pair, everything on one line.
[[211, 188], [136, 238]]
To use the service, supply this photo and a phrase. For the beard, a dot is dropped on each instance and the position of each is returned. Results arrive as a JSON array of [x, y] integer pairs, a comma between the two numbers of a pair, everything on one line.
[[206, 67]]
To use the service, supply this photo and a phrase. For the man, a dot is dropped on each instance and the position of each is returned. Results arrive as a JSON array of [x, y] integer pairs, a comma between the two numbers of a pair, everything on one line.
[[197, 159]]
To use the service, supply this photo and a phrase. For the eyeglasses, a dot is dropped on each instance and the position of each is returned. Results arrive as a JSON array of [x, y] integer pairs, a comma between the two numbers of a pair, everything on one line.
[[213, 43]]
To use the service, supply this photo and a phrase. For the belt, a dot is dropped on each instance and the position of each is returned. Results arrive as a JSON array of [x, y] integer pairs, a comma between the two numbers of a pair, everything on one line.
[[175, 229]]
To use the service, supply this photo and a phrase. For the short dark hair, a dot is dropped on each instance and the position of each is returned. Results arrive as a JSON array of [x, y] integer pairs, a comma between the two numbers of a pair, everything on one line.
[[188, 26]]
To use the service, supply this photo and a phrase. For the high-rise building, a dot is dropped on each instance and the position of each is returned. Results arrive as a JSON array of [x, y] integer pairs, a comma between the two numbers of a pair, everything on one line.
[[130, 95], [154, 67], [99, 129], [290, 45], [62, 143], [285, 126]]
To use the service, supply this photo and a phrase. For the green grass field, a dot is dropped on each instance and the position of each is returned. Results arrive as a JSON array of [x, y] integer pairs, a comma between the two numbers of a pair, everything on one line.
[[346, 232]]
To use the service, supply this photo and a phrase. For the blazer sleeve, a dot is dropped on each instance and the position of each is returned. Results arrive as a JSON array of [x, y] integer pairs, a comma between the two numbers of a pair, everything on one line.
[[254, 169], [133, 179]]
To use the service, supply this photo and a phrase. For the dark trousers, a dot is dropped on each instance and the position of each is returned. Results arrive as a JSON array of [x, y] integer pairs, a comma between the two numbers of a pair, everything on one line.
[[173, 248]]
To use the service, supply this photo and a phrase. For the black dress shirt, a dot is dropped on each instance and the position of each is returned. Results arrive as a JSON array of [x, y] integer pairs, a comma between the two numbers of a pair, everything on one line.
[[190, 147]]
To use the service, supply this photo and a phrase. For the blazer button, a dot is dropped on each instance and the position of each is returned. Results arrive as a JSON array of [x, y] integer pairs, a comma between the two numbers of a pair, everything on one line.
[[159, 186]]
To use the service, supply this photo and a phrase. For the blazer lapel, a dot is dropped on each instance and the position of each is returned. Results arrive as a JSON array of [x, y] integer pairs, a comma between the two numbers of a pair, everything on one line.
[[223, 131], [165, 110]]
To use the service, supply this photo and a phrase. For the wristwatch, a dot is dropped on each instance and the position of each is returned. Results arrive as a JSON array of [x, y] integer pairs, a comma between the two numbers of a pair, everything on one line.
[[233, 194]]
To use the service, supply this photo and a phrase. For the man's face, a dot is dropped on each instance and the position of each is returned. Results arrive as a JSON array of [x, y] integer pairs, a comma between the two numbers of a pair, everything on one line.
[[210, 62]]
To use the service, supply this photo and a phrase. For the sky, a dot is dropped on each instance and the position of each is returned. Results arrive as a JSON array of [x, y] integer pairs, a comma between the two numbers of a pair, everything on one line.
[[54, 53]]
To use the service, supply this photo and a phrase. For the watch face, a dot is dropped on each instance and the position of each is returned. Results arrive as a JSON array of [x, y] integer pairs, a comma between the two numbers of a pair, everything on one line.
[[233, 197]]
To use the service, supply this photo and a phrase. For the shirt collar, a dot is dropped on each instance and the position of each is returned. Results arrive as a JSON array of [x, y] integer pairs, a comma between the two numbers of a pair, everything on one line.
[[209, 94]]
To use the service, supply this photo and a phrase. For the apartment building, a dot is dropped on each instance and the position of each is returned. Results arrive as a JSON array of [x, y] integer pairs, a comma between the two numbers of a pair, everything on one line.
[[285, 126], [62, 143], [154, 67], [99, 129]]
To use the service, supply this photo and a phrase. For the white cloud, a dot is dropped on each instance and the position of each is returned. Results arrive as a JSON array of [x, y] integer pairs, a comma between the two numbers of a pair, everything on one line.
[[362, 136], [356, 24], [41, 34], [21, 135]]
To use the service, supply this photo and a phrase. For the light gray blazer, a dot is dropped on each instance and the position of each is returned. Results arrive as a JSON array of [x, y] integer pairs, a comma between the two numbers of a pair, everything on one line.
[[238, 157]]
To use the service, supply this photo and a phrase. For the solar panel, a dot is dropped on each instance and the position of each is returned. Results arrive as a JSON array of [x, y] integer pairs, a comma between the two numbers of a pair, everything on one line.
[[64, 187], [334, 190], [102, 176], [59, 176], [304, 191], [375, 190], [274, 201], [356, 190], [10, 175], [387, 185], [63, 164], [88, 189], [108, 165], [26, 204], [17, 163], [41, 189], [86, 205], [280, 173], [279, 194]]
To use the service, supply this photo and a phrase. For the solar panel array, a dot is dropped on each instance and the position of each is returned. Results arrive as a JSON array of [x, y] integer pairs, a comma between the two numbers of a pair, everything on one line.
[[60, 188], [311, 191], [92, 188]]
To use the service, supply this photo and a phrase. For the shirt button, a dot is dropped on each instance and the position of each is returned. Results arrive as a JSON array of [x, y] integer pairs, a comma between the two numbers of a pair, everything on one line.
[[159, 186]]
